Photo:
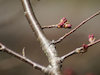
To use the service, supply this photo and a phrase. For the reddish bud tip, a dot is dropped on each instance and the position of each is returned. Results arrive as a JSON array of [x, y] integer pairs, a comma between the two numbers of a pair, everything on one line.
[[91, 38], [64, 19], [85, 46]]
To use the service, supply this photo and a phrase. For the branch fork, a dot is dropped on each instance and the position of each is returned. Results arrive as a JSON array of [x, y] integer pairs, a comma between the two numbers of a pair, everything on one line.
[[76, 28]]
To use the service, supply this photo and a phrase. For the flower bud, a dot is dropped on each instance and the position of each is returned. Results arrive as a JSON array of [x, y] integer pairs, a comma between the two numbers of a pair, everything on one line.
[[85, 47], [64, 20], [68, 26], [61, 24], [91, 38], [64, 24]]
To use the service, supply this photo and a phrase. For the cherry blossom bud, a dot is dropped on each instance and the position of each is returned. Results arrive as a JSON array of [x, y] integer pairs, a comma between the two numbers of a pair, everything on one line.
[[68, 26], [91, 38], [64, 24], [60, 24], [64, 20], [84, 47]]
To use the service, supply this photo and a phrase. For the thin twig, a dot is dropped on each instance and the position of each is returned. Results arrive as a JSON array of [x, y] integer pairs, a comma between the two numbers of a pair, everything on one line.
[[22, 58], [78, 50], [50, 26], [77, 27]]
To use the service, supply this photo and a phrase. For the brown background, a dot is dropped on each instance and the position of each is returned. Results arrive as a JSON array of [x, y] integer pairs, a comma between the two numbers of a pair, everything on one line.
[[15, 33]]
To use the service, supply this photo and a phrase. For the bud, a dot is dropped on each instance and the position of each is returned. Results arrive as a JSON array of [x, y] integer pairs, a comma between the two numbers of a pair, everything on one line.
[[60, 25], [64, 24], [85, 47], [68, 26], [91, 38], [64, 20]]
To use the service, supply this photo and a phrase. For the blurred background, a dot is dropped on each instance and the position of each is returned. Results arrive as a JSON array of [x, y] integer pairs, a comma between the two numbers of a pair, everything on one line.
[[16, 34]]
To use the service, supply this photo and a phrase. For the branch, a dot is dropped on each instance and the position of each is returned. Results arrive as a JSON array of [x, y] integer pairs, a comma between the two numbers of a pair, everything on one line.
[[55, 26], [23, 58], [50, 26], [77, 27], [62, 24], [78, 50], [47, 47]]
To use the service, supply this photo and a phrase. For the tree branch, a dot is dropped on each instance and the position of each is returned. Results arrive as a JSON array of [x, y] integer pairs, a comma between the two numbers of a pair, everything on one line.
[[77, 27], [47, 47], [23, 58], [78, 50]]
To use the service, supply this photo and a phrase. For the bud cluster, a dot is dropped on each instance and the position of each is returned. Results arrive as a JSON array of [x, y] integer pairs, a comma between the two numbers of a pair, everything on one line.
[[64, 23]]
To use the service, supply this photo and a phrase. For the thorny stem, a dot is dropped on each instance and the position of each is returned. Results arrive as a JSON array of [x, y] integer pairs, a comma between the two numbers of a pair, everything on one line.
[[22, 58], [77, 27], [79, 49]]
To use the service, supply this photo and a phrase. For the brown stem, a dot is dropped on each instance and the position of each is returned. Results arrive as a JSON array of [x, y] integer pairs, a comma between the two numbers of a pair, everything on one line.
[[77, 27]]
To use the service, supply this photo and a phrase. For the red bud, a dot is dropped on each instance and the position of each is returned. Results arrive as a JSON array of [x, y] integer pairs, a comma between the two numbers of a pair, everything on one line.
[[91, 38]]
